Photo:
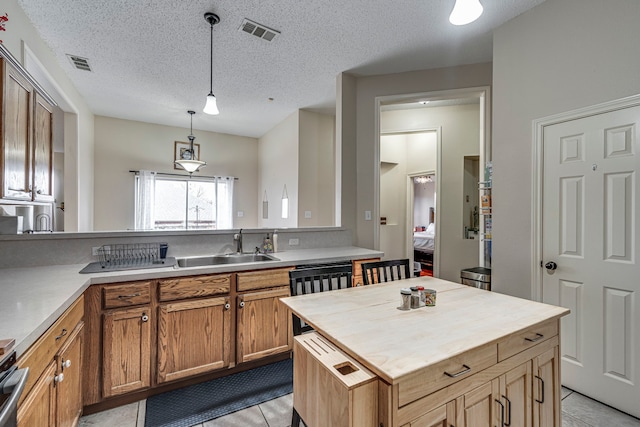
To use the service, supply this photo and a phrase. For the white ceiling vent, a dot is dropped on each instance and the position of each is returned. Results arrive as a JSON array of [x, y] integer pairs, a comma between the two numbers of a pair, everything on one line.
[[79, 62], [258, 30]]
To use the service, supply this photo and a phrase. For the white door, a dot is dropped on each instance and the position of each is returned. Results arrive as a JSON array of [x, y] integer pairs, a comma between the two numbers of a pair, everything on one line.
[[591, 188]]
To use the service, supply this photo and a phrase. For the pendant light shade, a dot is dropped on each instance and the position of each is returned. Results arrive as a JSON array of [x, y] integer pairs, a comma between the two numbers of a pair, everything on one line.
[[211, 107], [465, 11], [188, 160]]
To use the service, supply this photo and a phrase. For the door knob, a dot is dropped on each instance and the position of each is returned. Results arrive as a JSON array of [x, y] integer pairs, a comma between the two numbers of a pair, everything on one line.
[[551, 266]]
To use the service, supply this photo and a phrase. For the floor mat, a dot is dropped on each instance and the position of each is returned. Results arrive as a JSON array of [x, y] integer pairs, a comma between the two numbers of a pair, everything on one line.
[[205, 401]]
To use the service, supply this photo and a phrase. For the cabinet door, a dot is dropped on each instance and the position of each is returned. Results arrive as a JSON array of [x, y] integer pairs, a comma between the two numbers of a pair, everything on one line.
[[42, 182], [480, 407], [264, 325], [17, 103], [38, 408], [515, 393], [193, 337], [546, 389], [69, 389], [443, 416], [126, 351]]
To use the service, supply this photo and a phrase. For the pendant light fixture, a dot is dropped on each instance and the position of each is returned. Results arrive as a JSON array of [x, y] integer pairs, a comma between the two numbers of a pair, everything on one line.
[[465, 12], [188, 159], [211, 107]]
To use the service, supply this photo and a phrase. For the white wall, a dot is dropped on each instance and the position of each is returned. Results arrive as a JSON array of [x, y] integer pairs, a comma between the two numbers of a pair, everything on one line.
[[124, 145], [423, 200], [559, 56], [79, 143], [460, 137], [317, 167], [278, 165]]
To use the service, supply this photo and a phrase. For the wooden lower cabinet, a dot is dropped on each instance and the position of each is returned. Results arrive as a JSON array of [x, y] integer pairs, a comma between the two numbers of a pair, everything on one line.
[[38, 409], [264, 325], [194, 337], [546, 389], [515, 395], [126, 355], [54, 398], [442, 416], [479, 406]]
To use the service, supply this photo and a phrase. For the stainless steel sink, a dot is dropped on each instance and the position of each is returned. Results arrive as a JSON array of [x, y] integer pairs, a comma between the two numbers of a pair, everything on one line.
[[199, 261]]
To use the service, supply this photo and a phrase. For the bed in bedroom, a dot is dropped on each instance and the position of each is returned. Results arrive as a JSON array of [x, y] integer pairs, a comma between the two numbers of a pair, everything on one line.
[[424, 245]]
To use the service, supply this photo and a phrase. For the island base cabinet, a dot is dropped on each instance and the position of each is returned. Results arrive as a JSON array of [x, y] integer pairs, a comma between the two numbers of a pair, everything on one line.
[[442, 416], [126, 350], [479, 406], [515, 395], [193, 337], [546, 389], [331, 389]]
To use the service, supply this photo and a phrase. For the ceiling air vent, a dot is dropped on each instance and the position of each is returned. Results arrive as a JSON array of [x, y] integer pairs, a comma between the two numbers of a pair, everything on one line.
[[79, 62], [258, 30]]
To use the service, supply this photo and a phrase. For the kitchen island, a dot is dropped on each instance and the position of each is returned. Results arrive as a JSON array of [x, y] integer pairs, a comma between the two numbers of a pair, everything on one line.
[[476, 358]]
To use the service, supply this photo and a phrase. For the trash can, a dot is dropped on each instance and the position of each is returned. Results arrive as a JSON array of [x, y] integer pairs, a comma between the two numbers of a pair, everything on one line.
[[478, 277]]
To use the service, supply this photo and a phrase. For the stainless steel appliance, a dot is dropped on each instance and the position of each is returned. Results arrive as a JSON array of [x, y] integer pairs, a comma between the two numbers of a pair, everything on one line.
[[478, 277], [12, 382]]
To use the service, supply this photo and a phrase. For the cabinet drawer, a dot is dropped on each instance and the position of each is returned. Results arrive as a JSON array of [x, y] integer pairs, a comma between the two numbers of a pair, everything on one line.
[[196, 286], [528, 338], [126, 295], [263, 279], [40, 354], [445, 373]]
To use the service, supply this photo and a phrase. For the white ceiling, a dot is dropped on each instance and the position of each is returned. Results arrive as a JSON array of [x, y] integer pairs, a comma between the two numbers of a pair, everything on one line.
[[150, 58]]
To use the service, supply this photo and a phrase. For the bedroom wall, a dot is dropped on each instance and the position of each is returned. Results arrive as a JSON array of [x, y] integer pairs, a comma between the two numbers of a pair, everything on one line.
[[423, 201], [559, 56]]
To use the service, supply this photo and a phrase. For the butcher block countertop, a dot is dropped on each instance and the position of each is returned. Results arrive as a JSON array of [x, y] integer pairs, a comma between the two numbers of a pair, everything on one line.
[[365, 323]]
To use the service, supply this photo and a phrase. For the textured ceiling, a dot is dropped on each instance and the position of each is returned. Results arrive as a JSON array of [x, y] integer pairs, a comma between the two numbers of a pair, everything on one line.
[[150, 58]]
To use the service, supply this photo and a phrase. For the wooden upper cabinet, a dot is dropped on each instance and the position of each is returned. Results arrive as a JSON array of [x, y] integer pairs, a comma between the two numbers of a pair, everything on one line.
[[17, 110], [194, 337], [42, 182], [27, 139]]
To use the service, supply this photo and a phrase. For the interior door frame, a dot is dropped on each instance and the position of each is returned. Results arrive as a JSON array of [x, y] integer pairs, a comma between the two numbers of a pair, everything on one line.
[[537, 189]]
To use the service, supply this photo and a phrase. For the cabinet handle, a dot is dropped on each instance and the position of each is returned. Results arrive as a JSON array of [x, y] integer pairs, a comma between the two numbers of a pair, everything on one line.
[[145, 318], [241, 304], [537, 338], [63, 333], [457, 374], [542, 388], [227, 306], [501, 412], [508, 411], [128, 296]]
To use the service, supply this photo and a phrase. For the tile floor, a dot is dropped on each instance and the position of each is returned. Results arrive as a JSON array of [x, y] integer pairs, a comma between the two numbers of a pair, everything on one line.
[[577, 411]]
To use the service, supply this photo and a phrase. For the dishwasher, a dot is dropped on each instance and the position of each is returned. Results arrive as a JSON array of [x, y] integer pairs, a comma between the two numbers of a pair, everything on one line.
[[12, 382]]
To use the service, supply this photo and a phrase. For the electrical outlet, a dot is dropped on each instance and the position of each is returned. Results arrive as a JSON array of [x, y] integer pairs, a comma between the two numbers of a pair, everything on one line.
[[240, 214], [294, 242], [94, 250], [367, 215], [307, 214]]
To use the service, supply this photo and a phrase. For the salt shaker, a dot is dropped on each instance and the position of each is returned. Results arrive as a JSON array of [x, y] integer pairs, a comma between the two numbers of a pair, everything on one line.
[[406, 299], [415, 297]]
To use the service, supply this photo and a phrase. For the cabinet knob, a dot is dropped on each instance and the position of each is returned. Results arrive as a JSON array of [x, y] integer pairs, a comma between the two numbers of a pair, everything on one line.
[[241, 304], [66, 363], [145, 318], [59, 378], [227, 306]]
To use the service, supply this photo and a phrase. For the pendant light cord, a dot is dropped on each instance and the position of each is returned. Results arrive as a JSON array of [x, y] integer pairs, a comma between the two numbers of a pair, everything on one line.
[[211, 64]]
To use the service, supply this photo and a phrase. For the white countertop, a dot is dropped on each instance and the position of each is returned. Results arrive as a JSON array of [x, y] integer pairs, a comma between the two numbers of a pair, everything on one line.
[[31, 299]]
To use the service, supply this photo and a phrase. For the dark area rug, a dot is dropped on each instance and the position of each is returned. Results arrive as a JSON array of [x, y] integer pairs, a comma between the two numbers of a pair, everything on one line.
[[205, 401]]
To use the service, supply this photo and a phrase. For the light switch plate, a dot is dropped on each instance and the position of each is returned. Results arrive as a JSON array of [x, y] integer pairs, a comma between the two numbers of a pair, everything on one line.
[[240, 214], [367, 215]]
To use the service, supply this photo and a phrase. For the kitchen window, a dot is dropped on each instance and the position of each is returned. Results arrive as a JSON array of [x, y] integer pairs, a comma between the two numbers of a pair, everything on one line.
[[165, 202]]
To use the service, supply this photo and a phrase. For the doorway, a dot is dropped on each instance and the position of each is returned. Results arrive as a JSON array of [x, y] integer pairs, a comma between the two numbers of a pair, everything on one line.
[[460, 119], [586, 239]]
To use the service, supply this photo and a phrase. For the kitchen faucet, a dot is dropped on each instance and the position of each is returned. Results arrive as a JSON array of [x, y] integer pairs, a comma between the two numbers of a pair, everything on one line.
[[238, 239]]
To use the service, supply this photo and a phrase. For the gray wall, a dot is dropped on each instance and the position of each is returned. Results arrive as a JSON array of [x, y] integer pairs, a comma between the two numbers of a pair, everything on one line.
[[559, 56]]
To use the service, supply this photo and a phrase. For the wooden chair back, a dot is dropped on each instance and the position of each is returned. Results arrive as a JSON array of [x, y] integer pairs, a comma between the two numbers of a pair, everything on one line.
[[385, 271]]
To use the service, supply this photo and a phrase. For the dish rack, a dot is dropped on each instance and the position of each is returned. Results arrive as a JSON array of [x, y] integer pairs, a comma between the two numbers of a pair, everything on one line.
[[128, 255]]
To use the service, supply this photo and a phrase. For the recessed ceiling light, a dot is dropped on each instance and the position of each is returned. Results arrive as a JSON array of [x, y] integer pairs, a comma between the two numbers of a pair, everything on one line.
[[424, 102], [270, 99]]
